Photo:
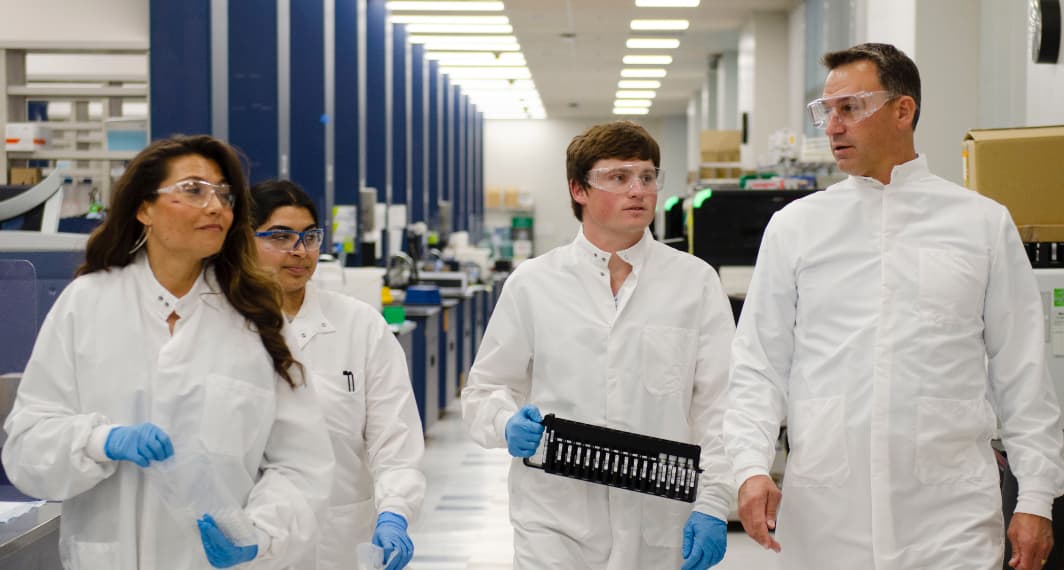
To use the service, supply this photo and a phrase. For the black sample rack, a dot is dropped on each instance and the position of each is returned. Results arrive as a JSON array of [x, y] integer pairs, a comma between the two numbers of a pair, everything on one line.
[[621, 459]]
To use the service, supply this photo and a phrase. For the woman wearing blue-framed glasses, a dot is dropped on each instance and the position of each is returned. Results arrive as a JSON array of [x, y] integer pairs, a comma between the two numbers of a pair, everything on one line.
[[360, 374]]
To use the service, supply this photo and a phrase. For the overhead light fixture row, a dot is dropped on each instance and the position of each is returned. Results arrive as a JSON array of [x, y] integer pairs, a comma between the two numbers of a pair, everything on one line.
[[427, 6], [622, 94], [652, 43], [638, 84], [630, 111], [645, 103], [667, 3], [662, 25], [482, 58], [447, 19], [647, 59], [450, 28], [643, 72]]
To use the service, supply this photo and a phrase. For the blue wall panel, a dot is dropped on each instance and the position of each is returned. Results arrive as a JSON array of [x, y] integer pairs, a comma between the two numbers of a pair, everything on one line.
[[307, 88], [346, 120], [434, 147], [253, 126], [400, 103], [418, 148], [377, 103], [180, 67]]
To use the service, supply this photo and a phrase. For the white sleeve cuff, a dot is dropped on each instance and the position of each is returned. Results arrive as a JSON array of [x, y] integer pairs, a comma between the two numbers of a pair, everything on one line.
[[1036, 503], [501, 417], [741, 475], [94, 448]]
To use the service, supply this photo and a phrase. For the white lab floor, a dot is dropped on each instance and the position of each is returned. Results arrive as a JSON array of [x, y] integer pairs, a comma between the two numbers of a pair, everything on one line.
[[464, 523]]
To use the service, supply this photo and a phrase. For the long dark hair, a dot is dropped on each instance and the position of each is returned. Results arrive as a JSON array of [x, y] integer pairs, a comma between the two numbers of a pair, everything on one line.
[[268, 195], [252, 293]]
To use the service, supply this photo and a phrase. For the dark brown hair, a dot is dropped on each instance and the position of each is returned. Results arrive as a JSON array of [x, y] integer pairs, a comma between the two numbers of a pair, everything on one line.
[[896, 72], [619, 139], [268, 195], [252, 293]]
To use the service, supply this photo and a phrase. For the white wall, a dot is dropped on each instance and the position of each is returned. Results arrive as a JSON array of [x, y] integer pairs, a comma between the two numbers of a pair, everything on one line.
[[727, 107], [892, 22], [1045, 93], [31, 23], [796, 65], [764, 78], [1003, 57], [530, 155], [949, 74]]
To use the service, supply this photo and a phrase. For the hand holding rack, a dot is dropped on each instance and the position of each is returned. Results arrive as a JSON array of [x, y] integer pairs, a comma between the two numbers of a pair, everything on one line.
[[621, 459]]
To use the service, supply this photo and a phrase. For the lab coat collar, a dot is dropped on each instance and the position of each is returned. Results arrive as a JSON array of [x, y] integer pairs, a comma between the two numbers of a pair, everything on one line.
[[159, 301], [310, 320], [901, 174], [634, 256]]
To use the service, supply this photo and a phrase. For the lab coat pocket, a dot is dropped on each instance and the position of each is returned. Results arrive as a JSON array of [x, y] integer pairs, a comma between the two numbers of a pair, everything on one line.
[[234, 414], [343, 401], [953, 441], [94, 555], [817, 431], [668, 357], [952, 285], [663, 521]]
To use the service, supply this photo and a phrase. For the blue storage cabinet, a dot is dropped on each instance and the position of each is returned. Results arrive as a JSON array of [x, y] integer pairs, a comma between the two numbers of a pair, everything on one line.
[[448, 354], [425, 373]]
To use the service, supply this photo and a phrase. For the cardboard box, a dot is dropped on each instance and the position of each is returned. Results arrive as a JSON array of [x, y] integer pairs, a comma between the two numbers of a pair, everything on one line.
[[492, 197], [1035, 233], [18, 176], [1021, 168], [511, 198], [26, 136], [717, 147]]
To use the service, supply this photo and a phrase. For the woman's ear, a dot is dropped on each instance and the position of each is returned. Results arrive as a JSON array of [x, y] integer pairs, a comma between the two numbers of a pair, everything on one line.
[[144, 214]]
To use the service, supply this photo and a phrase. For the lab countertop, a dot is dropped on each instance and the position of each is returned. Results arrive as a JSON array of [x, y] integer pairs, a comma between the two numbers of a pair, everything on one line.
[[422, 311], [23, 531]]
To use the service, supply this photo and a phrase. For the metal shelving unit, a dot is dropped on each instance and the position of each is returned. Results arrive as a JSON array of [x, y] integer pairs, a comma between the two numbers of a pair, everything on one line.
[[79, 139]]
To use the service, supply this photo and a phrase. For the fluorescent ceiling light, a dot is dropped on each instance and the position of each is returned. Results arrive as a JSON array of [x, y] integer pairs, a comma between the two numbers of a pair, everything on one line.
[[632, 103], [487, 72], [449, 28], [460, 39], [630, 111], [667, 3], [652, 43], [638, 84], [426, 6], [448, 19], [433, 46], [452, 58], [660, 24], [636, 94], [479, 84], [653, 72], [647, 59]]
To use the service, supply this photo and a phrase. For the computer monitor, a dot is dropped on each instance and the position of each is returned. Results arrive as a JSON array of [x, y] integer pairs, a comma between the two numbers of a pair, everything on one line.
[[727, 225]]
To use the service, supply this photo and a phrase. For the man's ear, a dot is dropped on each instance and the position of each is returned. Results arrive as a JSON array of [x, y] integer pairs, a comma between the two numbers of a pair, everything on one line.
[[578, 192], [906, 111]]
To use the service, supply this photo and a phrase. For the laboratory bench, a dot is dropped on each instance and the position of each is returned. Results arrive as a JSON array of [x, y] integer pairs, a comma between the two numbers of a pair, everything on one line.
[[30, 541]]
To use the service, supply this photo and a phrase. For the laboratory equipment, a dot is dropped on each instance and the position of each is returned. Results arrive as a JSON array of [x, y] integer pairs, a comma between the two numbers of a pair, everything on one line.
[[621, 459]]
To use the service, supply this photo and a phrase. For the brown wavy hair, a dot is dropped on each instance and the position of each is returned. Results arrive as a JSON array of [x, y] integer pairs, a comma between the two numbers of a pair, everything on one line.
[[250, 291], [619, 139]]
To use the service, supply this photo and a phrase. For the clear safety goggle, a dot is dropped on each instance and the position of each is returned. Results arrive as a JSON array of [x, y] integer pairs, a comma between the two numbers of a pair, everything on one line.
[[620, 179], [197, 193], [849, 109], [289, 240]]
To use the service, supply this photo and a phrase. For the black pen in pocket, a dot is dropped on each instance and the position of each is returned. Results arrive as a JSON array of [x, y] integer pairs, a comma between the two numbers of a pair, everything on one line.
[[350, 380]]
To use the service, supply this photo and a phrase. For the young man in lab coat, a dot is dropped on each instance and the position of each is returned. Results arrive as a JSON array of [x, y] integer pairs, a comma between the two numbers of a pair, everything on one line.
[[617, 330], [894, 321]]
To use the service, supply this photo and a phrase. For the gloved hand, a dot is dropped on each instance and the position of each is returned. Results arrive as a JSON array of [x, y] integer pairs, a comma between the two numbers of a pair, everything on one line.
[[392, 537], [221, 552], [141, 444], [705, 539], [523, 431]]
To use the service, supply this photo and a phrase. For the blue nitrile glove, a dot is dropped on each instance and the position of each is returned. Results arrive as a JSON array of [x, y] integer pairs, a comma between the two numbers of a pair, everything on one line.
[[523, 431], [221, 552], [705, 539], [392, 537], [141, 444]]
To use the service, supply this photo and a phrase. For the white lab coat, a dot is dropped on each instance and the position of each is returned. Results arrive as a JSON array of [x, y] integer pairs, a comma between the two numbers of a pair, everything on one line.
[[653, 362], [375, 429], [104, 357], [893, 327]]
